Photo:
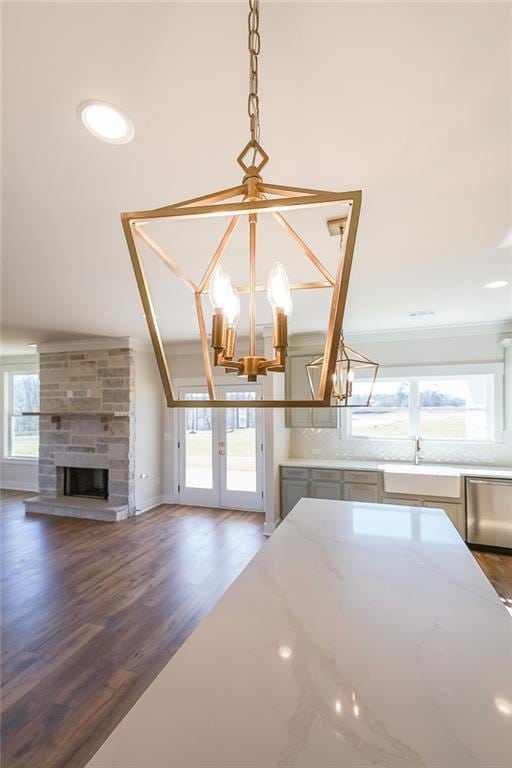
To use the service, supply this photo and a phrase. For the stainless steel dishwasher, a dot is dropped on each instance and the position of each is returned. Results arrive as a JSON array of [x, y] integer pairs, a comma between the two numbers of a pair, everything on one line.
[[489, 511]]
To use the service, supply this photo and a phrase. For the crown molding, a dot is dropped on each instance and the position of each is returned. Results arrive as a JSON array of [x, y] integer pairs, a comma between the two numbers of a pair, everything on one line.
[[410, 334]]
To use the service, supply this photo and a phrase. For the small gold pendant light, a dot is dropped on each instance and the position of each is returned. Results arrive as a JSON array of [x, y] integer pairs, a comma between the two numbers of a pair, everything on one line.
[[346, 390]]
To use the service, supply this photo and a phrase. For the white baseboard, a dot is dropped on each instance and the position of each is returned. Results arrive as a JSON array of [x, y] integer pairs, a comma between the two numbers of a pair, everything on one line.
[[150, 503], [21, 486]]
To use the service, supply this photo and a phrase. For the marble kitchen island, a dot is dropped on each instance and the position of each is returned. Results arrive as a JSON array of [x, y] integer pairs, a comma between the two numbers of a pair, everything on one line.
[[360, 635]]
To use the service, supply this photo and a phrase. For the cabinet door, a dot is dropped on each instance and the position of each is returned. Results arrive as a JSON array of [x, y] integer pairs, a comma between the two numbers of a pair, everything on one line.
[[360, 492], [292, 491], [297, 388], [327, 418], [454, 511], [319, 489]]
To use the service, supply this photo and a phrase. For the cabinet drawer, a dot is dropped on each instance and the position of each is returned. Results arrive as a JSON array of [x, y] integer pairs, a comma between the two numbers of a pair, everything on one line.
[[319, 489], [326, 474], [295, 472], [357, 476], [360, 492], [403, 502]]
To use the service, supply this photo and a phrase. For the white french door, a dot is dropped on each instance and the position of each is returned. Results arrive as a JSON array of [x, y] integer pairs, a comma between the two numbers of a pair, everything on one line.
[[221, 450]]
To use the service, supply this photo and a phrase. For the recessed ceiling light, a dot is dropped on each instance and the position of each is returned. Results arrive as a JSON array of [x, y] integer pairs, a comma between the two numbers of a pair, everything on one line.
[[106, 122], [503, 706], [497, 284]]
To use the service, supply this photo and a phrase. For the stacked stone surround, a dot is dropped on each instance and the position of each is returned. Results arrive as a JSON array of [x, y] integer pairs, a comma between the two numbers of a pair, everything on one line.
[[96, 382]]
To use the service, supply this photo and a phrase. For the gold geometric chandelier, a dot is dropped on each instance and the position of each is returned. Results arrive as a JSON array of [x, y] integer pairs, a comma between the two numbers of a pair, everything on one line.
[[252, 200]]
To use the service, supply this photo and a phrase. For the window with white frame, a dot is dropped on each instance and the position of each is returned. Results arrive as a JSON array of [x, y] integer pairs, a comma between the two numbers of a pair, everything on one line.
[[22, 436], [434, 405]]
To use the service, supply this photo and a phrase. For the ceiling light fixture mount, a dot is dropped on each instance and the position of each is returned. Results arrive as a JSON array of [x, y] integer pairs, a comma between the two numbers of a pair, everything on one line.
[[250, 200]]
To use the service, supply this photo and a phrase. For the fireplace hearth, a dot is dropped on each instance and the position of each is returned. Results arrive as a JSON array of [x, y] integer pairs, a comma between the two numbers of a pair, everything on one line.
[[86, 482]]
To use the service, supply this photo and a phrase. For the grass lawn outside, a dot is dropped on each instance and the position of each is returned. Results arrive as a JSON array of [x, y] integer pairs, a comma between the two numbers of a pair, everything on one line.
[[25, 446], [434, 425]]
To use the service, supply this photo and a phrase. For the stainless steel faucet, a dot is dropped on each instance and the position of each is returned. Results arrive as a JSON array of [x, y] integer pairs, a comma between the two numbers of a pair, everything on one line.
[[417, 449]]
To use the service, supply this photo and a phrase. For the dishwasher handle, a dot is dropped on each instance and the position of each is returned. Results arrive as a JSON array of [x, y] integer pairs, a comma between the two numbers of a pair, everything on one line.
[[489, 481]]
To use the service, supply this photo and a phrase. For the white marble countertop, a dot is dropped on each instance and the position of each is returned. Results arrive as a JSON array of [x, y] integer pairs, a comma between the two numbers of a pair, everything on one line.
[[360, 635], [468, 470]]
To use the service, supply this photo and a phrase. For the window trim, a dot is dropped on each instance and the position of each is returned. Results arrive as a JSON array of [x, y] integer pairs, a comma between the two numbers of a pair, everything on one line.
[[8, 374], [413, 374]]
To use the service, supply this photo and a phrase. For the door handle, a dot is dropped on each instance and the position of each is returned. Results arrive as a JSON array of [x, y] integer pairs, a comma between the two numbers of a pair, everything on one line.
[[222, 452]]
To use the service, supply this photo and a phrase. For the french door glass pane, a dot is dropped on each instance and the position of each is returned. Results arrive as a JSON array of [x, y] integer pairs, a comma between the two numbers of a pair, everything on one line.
[[198, 444], [241, 445]]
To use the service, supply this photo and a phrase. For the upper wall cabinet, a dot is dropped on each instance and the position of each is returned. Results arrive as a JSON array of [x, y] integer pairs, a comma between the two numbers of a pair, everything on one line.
[[297, 388]]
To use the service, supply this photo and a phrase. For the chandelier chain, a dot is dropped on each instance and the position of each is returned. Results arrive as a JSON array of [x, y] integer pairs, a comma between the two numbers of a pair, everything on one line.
[[254, 45]]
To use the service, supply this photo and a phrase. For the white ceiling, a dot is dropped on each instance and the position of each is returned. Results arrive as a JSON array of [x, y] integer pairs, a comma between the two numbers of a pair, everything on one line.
[[410, 103]]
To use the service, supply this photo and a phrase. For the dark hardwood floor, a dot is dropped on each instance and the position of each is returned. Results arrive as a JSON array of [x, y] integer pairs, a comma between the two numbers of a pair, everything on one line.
[[92, 612], [498, 569]]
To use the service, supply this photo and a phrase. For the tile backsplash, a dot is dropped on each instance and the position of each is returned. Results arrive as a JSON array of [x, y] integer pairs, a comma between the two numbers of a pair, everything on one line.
[[329, 444]]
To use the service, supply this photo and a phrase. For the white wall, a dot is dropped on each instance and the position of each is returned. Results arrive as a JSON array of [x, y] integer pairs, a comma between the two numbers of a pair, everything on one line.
[[16, 474], [463, 344], [149, 403]]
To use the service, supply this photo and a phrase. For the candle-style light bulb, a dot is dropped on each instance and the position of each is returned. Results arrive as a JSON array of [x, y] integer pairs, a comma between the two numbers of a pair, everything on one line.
[[220, 289], [232, 309], [278, 289]]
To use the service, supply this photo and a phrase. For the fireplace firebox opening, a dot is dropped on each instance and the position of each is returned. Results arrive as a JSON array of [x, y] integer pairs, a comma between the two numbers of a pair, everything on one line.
[[86, 482]]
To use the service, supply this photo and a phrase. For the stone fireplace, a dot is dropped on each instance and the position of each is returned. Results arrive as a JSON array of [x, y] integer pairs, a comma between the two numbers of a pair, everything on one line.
[[87, 434]]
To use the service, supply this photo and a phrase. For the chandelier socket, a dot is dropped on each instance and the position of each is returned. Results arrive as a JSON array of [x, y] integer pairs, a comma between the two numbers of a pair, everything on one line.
[[218, 330], [230, 342], [280, 339]]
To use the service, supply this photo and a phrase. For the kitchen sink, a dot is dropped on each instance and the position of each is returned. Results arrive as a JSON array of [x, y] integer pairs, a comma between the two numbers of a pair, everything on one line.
[[422, 480]]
